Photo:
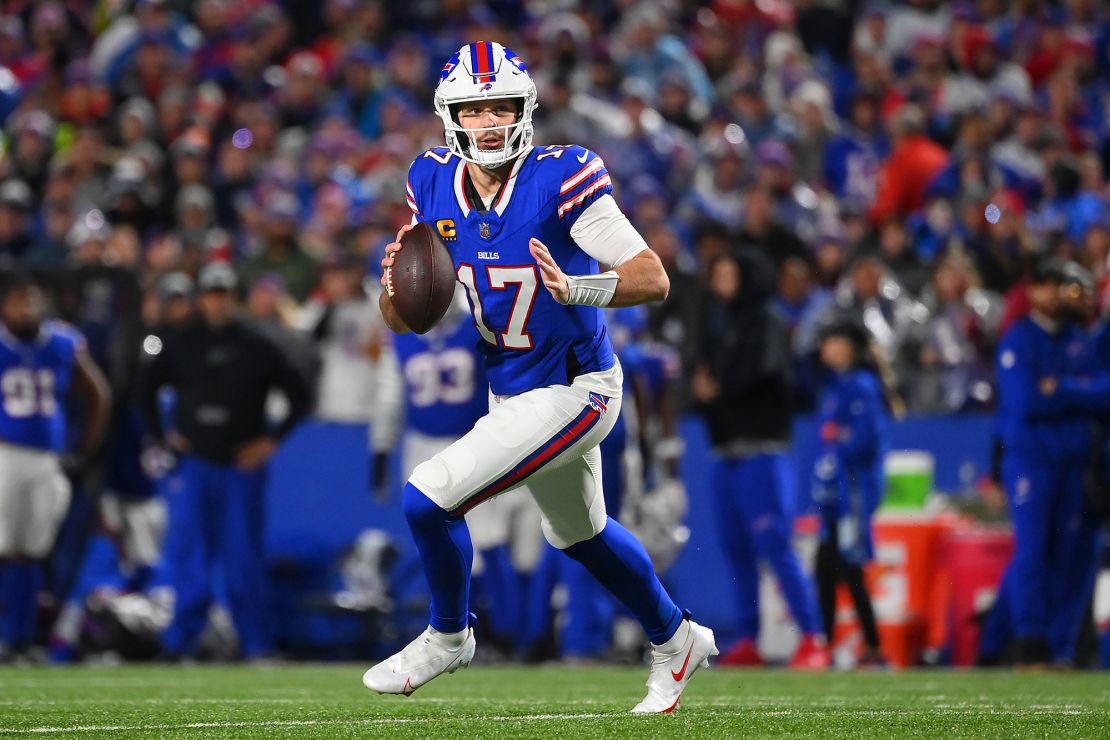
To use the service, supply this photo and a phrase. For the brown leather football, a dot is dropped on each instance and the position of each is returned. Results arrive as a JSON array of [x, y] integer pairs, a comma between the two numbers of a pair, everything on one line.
[[421, 282]]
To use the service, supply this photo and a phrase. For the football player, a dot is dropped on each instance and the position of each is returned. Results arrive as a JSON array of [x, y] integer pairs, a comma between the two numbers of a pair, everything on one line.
[[41, 364], [528, 227]]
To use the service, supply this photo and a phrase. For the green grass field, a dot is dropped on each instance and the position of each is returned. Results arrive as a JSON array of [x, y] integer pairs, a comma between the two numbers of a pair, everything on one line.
[[329, 701]]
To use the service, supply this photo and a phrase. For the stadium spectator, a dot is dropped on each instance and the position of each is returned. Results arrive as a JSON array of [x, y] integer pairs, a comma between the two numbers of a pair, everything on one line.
[[281, 253], [896, 250], [16, 203], [913, 163], [347, 325], [762, 231], [956, 354], [852, 157], [650, 53], [272, 312]]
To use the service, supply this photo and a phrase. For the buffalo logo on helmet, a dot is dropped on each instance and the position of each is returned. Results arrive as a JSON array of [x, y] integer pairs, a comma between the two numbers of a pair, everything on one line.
[[449, 67], [515, 60]]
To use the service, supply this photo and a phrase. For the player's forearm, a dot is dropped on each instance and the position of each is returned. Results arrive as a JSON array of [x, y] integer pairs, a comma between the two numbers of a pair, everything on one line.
[[95, 425], [389, 313], [91, 384], [642, 280]]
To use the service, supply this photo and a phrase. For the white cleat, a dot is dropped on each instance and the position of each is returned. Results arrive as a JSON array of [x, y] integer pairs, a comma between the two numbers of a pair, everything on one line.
[[429, 655], [672, 666]]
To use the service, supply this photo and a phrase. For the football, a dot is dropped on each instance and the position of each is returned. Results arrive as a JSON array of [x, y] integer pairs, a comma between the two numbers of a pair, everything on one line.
[[421, 282]]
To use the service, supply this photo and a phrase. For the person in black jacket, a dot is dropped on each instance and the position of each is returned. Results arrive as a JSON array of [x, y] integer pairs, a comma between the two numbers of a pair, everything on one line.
[[222, 372], [742, 387]]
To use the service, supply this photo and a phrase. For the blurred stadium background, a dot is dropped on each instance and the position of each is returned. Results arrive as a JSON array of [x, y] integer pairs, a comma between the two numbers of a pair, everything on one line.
[[905, 162]]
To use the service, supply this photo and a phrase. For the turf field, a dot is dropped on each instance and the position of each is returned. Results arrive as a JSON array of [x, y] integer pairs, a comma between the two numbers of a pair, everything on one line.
[[329, 701]]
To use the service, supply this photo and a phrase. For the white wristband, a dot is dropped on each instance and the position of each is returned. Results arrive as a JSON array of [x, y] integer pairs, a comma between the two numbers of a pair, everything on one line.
[[592, 290]]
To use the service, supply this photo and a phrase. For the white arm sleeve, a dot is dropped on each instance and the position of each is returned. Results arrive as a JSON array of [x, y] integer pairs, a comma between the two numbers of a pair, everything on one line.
[[606, 234]]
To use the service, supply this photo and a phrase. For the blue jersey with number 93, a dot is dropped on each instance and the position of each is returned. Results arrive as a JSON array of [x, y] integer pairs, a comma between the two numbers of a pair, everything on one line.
[[529, 340], [35, 378], [446, 390]]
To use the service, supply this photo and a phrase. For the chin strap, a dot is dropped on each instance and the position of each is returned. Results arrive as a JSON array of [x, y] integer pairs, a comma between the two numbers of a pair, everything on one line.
[[592, 290]]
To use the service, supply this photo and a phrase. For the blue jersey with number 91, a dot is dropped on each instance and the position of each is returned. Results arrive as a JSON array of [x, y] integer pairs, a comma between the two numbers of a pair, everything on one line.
[[529, 340], [446, 390], [34, 380]]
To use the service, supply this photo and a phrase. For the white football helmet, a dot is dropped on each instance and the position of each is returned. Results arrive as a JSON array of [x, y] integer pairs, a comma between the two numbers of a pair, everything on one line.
[[485, 71]]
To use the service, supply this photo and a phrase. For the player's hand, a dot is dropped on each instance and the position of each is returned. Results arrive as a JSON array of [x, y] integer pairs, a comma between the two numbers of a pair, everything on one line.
[[74, 464], [703, 386], [177, 442], [554, 279], [253, 454], [379, 476], [391, 249], [1047, 386]]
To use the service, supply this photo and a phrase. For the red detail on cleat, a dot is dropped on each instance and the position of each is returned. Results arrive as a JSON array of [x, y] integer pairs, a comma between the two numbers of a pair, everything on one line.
[[674, 707], [678, 676], [408, 689]]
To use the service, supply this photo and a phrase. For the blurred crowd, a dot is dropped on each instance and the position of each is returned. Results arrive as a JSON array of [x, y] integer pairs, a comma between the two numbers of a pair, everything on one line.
[[899, 160]]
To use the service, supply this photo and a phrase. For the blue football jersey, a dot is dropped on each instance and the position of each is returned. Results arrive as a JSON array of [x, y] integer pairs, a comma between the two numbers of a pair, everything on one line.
[[446, 390], [529, 340], [35, 378]]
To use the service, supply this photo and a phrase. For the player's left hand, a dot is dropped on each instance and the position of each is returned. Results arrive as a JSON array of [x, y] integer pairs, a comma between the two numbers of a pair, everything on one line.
[[379, 476], [390, 250], [704, 386], [554, 279], [253, 454], [74, 464]]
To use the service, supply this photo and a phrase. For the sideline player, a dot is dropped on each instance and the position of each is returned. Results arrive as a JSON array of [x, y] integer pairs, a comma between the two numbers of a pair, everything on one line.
[[41, 363], [515, 217]]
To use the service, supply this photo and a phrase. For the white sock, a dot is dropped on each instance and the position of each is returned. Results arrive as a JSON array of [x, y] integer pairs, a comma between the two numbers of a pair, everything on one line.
[[678, 639], [449, 639]]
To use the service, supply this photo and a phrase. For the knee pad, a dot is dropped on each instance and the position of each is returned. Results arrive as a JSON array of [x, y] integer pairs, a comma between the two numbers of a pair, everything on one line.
[[566, 533], [431, 475], [443, 478]]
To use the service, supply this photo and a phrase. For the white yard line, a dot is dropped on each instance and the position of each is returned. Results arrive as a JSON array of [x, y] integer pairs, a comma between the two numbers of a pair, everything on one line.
[[293, 723], [1067, 711], [148, 702]]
